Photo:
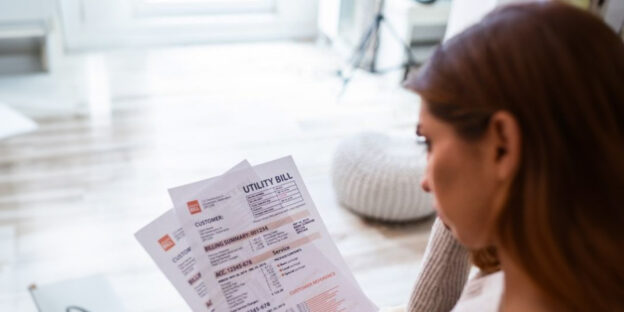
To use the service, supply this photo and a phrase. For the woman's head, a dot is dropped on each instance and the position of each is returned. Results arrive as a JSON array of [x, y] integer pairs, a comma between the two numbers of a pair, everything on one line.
[[470, 178], [524, 112]]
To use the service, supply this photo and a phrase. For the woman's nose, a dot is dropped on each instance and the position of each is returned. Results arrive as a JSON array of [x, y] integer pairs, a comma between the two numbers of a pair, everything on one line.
[[424, 184]]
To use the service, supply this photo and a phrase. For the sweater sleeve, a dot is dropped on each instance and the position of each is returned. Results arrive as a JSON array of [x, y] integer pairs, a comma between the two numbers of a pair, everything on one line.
[[443, 272]]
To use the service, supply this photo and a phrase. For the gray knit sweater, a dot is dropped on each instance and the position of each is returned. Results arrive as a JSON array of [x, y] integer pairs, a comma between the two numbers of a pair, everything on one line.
[[443, 272]]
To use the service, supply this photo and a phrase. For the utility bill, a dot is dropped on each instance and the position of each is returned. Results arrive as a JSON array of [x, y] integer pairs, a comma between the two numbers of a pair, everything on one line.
[[256, 186]]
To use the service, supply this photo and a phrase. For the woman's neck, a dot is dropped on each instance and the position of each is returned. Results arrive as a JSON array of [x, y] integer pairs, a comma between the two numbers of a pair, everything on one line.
[[520, 293]]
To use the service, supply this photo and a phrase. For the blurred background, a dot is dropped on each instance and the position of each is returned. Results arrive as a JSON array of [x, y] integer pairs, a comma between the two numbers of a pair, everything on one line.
[[104, 105]]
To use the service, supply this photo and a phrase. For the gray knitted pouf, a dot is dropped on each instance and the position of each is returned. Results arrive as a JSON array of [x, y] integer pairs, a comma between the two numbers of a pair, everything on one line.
[[378, 176]]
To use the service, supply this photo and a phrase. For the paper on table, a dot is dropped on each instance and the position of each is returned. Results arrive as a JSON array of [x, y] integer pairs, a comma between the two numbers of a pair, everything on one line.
[[166, 243], [261, 245]]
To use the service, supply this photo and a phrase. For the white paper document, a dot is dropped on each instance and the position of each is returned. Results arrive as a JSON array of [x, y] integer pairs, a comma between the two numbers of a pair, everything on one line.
[[164, 240], [257, 243]]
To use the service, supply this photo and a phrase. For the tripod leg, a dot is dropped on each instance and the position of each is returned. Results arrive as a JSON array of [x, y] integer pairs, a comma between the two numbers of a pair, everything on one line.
[[375, 42], [360, 50], [358, 55], [372, 34]]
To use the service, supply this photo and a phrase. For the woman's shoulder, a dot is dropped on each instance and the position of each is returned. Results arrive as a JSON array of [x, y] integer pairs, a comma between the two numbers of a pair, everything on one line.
[[482, 293]]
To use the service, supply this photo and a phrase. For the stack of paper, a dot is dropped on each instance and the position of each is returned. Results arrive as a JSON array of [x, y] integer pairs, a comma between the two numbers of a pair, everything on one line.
[[251, 240]]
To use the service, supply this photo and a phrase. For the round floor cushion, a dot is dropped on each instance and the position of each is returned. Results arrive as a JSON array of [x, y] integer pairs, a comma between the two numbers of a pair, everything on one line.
[[378, 176]]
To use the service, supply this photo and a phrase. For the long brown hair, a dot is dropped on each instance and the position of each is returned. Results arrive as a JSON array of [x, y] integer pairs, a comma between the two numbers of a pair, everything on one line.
[[560, 71]]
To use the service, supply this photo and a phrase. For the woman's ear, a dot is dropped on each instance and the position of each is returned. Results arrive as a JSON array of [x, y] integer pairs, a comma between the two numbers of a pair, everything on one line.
[[506, 145], [502, 147]]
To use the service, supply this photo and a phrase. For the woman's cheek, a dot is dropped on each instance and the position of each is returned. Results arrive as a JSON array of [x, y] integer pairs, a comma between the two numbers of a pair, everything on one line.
[[442, 175]]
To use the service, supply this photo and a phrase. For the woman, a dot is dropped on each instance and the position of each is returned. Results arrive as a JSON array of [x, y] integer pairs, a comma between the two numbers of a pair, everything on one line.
[[523, 119]]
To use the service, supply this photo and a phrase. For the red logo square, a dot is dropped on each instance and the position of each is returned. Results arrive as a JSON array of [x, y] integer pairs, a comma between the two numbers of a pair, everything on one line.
[[193, 207], [166, 242]]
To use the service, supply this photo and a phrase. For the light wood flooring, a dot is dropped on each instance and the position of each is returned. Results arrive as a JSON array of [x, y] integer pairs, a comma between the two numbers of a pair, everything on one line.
[[73, 193]]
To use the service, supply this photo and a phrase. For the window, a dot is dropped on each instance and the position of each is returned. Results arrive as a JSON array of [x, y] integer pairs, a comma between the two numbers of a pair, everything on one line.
[[199, 7], [112, 23]]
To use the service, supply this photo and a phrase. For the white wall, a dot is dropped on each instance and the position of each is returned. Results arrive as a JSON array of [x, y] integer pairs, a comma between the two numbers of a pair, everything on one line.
[[25, 10]]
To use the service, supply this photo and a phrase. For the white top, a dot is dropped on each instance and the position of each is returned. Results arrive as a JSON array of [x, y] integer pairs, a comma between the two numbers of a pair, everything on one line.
[[482, 293]]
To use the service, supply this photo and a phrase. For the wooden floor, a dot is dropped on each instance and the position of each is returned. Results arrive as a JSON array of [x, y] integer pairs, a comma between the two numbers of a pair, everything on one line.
[[73, 193]]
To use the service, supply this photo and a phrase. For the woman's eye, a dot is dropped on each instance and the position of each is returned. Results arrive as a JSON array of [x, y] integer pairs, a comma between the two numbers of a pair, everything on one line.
[[424, 142]]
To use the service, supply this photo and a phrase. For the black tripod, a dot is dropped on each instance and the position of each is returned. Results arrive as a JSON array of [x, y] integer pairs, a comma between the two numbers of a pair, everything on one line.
[[371, 38]]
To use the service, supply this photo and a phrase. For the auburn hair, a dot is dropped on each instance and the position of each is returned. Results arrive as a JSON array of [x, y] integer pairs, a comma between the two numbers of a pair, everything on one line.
[[559, 71]]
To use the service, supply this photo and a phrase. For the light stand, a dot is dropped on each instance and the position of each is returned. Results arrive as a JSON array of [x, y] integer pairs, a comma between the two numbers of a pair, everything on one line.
[[371, 38]]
